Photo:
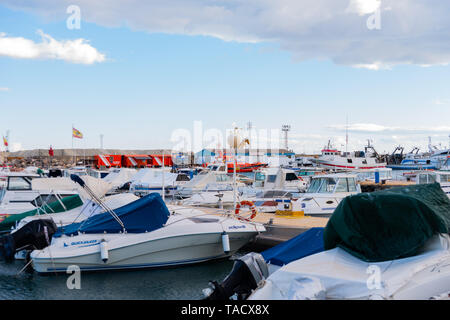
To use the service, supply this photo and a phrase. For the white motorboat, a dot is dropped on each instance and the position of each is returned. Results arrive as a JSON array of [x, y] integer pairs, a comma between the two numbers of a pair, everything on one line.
[[26, 192], [278, 179], [214, 180], [158, 180], [336, 274], [323, 195], [144, 234], [334, 159], [119, 177], [369, 250], [87, 210]]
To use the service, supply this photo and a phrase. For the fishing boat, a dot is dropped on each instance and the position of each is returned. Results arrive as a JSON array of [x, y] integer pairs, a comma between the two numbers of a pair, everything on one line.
[[144, 234], [331, 158], [416, 161], [369, 250]]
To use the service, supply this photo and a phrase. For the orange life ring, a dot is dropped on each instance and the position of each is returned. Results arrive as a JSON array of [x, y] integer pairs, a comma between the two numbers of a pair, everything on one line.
[[249, 204]]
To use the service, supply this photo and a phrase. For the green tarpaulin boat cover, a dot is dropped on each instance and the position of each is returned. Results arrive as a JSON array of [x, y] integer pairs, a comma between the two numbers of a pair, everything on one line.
[[389, 224], [70, 203]]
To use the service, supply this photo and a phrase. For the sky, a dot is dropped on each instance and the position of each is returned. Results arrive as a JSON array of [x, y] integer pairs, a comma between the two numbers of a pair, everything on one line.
[[139, 73]]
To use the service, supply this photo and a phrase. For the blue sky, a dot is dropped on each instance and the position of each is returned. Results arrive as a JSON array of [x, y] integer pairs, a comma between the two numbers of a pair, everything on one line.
[[153, 82]]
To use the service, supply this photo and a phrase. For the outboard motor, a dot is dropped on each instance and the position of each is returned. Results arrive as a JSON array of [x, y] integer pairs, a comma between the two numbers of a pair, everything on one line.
[[247, 274], [36, 234]]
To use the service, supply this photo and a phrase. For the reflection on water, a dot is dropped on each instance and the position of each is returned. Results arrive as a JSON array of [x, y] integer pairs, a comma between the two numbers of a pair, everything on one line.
[[177, 283]]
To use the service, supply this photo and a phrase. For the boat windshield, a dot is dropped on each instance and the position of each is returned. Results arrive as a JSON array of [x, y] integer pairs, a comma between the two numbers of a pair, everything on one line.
[[444, 177], [322, 185], [426, 178], [260, 176]]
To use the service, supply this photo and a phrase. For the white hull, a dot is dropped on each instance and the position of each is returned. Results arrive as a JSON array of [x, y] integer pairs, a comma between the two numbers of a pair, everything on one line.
[[181, 242], [150, 254]]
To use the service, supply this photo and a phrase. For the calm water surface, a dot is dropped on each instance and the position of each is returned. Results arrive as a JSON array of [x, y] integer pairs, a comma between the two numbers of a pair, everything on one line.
[[177, 283]]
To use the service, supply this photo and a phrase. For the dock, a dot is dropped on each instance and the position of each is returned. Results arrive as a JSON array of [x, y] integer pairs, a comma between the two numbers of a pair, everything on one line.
[[282, 228], [279, 228]]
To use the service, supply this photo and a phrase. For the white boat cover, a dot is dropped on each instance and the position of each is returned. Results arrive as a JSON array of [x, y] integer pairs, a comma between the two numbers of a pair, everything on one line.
[[118, 177], [98, 186], [153, 178], [335, 274]]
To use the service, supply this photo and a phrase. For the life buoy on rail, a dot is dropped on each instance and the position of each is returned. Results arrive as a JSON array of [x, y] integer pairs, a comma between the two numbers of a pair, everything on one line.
[[249, 204]]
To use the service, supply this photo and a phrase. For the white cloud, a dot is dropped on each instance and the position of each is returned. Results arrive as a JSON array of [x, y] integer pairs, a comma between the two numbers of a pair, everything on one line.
[[412, 32], [363, 7], [440, 102], [4, 89], [376, 128], [74, 51]]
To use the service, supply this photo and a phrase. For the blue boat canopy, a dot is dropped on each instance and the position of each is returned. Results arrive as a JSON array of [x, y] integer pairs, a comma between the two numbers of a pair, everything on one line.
[[143, 215], [305, 244]]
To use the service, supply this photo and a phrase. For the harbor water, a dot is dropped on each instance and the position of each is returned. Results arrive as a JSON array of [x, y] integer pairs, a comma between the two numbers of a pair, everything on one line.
[[174, 283]]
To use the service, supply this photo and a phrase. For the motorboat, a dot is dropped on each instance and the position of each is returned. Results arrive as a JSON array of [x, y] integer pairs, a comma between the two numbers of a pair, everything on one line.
[[441, 177], [331, 158], [214, 179], [27, 191], [279, 179], [77, 170], [88, 209], [272, 186], [143, 234], [118, 178], [158, 180], [369, 250], [323, 195]]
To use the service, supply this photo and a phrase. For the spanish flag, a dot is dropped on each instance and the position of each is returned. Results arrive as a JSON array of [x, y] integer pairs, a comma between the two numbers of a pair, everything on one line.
[[5, 142], [77, 134]]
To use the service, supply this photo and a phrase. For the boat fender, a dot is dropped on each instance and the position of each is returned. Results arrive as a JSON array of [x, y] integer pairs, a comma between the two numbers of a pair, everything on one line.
[[226, 242], [104, 251]]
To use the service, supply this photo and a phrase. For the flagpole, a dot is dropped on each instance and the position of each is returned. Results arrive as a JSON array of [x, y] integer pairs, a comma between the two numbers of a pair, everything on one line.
[[73, 152]]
